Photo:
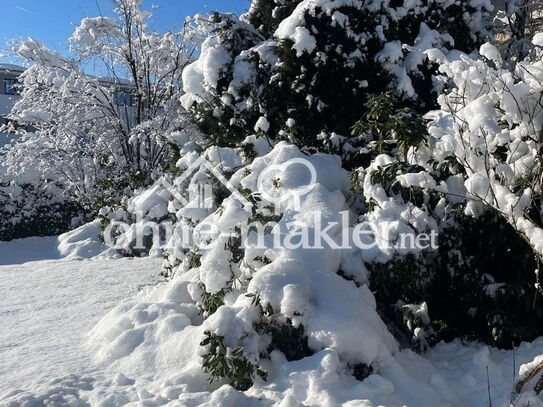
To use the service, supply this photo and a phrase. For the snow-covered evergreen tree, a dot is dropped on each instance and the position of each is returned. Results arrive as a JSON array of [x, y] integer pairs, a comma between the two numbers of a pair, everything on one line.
[[302, 71]]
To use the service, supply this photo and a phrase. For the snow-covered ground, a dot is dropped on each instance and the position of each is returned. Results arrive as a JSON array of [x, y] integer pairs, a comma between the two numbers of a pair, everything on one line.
[[105, 332], [30, 249], [48, 306]]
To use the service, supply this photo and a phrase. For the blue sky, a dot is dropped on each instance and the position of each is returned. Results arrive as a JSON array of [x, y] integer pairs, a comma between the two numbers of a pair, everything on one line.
[[53, 21]]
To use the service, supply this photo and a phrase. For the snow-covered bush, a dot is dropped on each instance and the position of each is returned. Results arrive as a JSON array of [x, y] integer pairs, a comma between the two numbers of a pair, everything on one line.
[[253, 304], [478, 176], [101, 137], [489, 129], [302, 70]]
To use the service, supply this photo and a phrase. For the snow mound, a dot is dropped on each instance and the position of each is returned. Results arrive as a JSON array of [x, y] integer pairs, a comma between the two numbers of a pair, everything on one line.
[[84, 243]]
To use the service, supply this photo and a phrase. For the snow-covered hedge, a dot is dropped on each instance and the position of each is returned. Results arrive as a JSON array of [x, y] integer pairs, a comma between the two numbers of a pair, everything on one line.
[[36, 209]]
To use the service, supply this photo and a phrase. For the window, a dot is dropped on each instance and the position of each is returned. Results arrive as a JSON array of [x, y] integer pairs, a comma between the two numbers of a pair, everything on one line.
[[125, 99], [12, 87]]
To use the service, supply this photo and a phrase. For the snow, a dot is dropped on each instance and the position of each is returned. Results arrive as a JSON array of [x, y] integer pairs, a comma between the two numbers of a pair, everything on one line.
[[155, 360], [490, 51], [303, 41], [35, 51], [538, 39], [152, 203], [83, 243], [6, 139], [17, 252], [260, 145], [48, 306], [392, 52], [307, 296], [204, 73], [107, 332], [262, 124], [90, 31]]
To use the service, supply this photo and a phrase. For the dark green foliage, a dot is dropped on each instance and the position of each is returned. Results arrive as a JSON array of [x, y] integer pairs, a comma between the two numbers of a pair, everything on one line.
[[234, 246], [385, 121], [457, 281], [457, 284], [361, 371], [325, 90], [290, 340], [209, 303], [386, 177], [265, 15], [227, 129], [194, 259], [221, 364]]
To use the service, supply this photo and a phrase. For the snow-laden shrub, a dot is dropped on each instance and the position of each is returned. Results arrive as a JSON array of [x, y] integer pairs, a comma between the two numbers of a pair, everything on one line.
[[100, 138], [303, 70], [477, 177], [251, 303], [152, 209], [489, 129], [138, 214]]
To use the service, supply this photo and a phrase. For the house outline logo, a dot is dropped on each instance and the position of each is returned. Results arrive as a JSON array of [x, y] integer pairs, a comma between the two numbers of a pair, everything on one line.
[[204, 192]]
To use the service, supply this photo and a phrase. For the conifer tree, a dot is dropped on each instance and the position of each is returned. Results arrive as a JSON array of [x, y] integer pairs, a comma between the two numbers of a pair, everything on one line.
[[307, 69]]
